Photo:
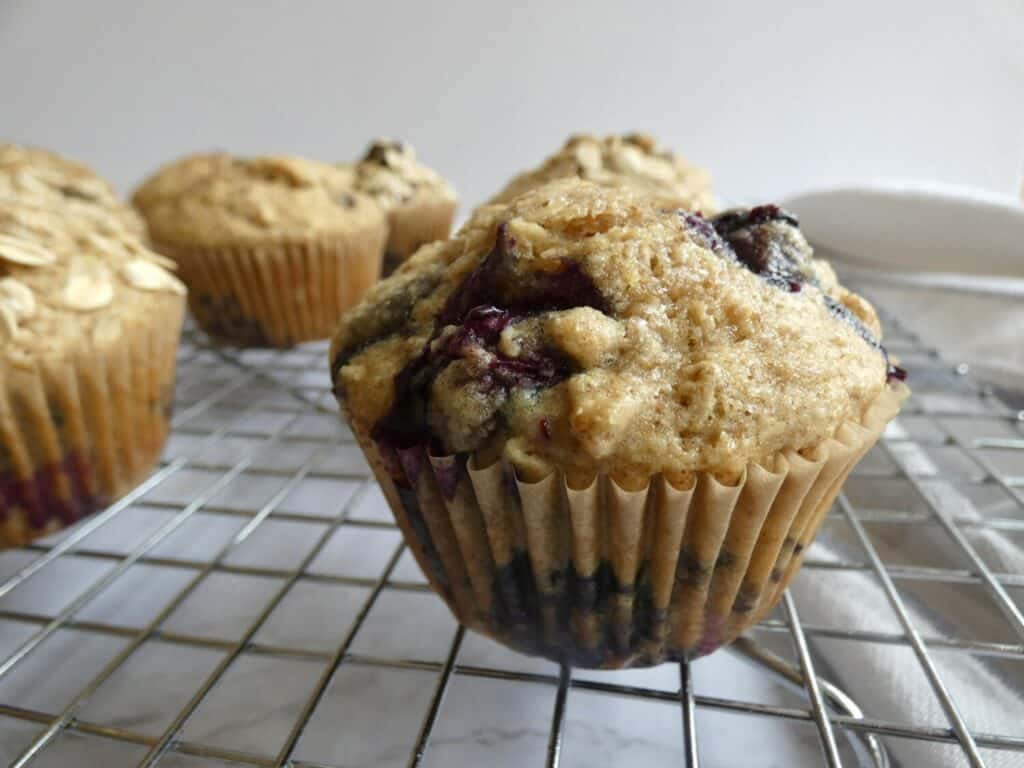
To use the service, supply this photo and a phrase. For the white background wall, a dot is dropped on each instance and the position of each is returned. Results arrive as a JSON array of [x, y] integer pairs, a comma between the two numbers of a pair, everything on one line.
[[772, 96]]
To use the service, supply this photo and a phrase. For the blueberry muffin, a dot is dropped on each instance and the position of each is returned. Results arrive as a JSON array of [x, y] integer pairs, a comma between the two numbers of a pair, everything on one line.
[[89, 327], [420, 204], [632, 160], [29, 173], [609, 429], [273, 249]]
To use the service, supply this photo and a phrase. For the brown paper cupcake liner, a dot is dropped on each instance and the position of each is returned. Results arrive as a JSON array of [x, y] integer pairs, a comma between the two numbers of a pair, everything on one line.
[[278, 294], [78, 431], [413, 225], [601, 576]]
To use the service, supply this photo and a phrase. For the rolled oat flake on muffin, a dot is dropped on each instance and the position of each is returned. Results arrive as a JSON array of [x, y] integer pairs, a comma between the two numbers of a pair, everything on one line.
[[609, 428]]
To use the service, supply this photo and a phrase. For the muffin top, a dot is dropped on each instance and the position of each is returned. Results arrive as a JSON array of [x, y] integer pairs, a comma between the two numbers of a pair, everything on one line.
[[391, 174], [633, 160], [216, 199], [49, 180], [588, 329], [65, 278]]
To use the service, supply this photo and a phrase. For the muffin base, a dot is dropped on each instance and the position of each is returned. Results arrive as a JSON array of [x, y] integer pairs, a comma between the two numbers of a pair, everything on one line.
[[78, 431], [413, 225], [604, 577], [278, 294]]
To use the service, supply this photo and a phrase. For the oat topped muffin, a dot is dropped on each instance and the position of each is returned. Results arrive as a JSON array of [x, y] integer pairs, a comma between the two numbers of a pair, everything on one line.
[[32, 174], [590, 329], [89, 326], [419, 203], [217, 199], [632, 160]]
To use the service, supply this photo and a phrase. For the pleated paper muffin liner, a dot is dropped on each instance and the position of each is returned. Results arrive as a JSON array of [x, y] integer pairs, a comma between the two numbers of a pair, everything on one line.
[[601, 576], [415, 224], [80, 429], [278, 294]]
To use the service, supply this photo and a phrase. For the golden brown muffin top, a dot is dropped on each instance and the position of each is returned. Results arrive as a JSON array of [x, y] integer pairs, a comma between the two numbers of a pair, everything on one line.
[[589, 328], [50, 180], [216, 199], [632, 160], [391, 174], [69, 281]]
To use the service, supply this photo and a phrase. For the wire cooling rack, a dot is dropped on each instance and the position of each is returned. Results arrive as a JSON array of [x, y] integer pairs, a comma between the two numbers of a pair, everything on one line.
[[251, 604]]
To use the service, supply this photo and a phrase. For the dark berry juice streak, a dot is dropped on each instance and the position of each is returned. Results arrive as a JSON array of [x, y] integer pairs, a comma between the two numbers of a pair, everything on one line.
[[37, 495]]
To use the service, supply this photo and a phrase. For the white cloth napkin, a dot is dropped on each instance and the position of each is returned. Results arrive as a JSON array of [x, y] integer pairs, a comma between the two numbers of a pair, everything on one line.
[[919, 241]]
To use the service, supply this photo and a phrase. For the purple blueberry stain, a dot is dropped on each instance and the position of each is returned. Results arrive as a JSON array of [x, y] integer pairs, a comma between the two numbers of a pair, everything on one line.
[[502, 290], [753, 243], [894, 373], [743, 218], [482, 326], [704, 232], [446, 471], [390, 316], [482, 282], [500, 280], [487, 322], [412, 460], [534, 370]]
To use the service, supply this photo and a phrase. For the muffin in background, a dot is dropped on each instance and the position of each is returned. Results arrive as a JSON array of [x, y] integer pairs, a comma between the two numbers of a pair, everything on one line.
[[635, 160], [50, 180], [419, 203], [273, 249], [608, 429], [89, 330]]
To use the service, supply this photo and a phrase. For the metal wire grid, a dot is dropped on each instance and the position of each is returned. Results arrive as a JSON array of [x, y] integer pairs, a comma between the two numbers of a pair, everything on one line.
[[294, 387]]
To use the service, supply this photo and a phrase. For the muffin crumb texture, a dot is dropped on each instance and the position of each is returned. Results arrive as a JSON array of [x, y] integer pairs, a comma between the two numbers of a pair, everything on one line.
[[633, 160], [29, 175], [216, 199], [390, 173], [592, 329]]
